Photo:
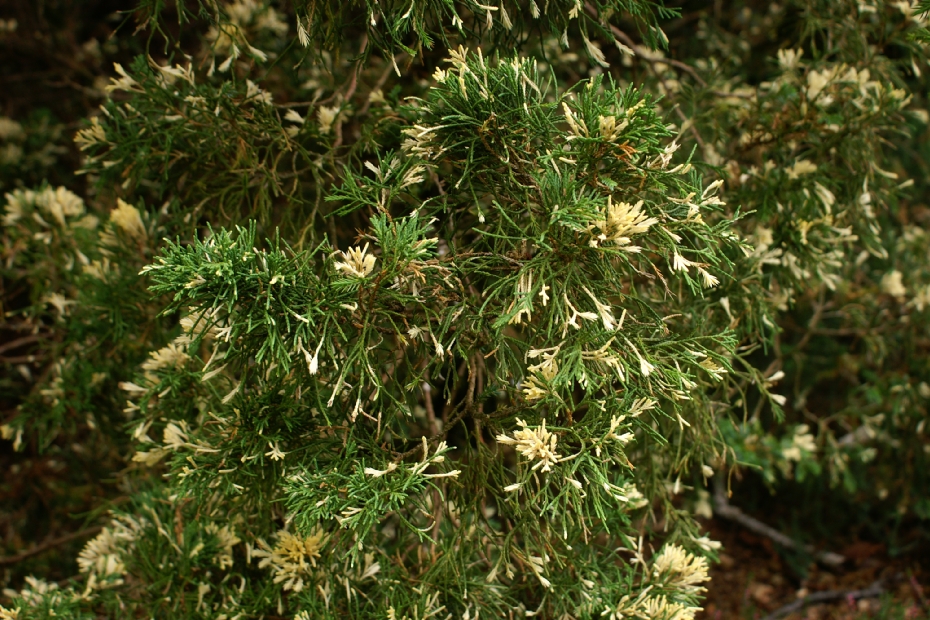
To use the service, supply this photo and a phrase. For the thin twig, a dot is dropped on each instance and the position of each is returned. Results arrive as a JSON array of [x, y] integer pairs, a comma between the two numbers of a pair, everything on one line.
[[684, 121], [819, 306], [919, 591], [18, 342], [460, 413], [49, 544], [645, 54], [353, 81], [655, 59], [873, 591], [380, 83], [723, 508], [430, 411], [434, 428], [22, 359]]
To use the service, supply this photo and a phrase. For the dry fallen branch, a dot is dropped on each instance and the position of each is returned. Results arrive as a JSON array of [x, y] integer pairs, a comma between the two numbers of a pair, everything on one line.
[[19, 342], [723, 508], [873, 591], [49, 544]]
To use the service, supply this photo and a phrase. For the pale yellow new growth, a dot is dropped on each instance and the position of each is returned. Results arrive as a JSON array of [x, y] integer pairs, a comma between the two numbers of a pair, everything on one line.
[[534, 444], [892, 283], [90, 136], [681, 568], [10, 129], [656, 607], [533, 388], [420, 140], [801, 167], [102, 557], [326, 117], [609, 128], [127, 218], [802, 441], [789, 59], [58, 203], [293, 558], [356, 262], [227, 539], [620, 222], [170, 356]]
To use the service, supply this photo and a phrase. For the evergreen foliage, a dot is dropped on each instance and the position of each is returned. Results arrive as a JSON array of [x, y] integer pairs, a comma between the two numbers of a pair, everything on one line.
[[462, 321]]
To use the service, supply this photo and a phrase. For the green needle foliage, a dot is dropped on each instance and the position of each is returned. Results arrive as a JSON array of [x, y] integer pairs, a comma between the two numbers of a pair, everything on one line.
[[463, 328]]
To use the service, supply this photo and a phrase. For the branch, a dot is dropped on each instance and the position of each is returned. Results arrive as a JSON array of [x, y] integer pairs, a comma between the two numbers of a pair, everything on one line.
[[819, 306], [873, 591], [919, 591], [380, 83], [723, 508], [655, 59], [22, 359], [49, 544], [459, 414], [18, 342], [645, 54]]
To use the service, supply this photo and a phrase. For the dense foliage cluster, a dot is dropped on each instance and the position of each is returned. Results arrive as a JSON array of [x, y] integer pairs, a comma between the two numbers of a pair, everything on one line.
[[445, 309]]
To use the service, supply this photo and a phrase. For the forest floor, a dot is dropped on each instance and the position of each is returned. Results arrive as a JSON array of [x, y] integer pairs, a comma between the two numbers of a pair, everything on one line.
[[754, 581]]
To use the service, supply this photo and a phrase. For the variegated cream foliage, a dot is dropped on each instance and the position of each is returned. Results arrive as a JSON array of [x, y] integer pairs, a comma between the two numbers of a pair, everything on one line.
[[456, 349], [350, 386]]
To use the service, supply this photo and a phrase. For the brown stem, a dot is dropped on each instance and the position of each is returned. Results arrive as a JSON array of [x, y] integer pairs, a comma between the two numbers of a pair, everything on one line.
[[49, 544], [379, 84], [819, 306], [452, 422], [873, 591], [21, 359], [723, 508], [13, 344], [428, 403], [645, 54]]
